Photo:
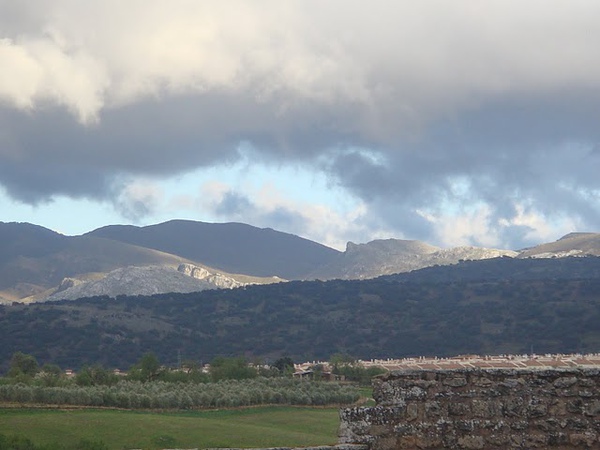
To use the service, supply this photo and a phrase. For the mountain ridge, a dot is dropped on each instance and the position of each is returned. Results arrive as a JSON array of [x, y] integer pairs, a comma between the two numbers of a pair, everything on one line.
[[233, 247], [36, 263]]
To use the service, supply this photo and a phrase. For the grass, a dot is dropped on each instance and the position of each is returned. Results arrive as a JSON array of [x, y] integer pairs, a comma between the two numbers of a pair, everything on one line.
[[366, 396], [251, 427]]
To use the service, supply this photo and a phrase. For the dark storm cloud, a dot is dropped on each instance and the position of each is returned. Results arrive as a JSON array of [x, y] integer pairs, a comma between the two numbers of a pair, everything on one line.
[[540, 152]]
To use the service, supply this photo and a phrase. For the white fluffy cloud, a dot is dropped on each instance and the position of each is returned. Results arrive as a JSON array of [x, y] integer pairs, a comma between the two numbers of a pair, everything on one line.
[[413, 57]]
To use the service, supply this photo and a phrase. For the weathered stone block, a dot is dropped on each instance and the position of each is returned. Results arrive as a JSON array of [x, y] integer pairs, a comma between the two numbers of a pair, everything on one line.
[[535, 441], [593, 409], [564, 382], [537, 409], [412, 412], [423, 384], [481, 408], [497, 440], [513, 406], [482, 382], [557, 439], [575, 406], [433, 410], [455, 382], [519, 425], [576, 423], [465, 425], [414, 393], [458, 409], [586, 383], [512, 383], [588, 440], [471, 442]]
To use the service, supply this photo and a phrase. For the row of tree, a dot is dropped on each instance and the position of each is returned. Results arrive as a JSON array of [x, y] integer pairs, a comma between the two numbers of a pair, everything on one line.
[[25, 369], [164, 395]]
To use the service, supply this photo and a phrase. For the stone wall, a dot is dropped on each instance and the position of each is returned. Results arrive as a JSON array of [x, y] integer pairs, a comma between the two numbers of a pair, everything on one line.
[[479, 409]]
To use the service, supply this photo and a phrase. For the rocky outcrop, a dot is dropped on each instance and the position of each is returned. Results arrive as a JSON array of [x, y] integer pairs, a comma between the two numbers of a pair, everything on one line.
[[147, 280], [68, 283], [479, 409], [389, 256], [573, 244], [215, 279]]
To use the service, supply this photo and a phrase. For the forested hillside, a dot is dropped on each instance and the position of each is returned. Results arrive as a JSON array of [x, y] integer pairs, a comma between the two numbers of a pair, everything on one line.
[[310, 320]]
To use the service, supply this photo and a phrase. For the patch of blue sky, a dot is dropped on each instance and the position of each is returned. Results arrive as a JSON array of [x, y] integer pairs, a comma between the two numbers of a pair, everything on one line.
[[62, 214], [295, 182]]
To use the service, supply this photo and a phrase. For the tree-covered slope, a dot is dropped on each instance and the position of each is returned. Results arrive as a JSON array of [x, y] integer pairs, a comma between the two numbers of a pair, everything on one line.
[[311, 320]]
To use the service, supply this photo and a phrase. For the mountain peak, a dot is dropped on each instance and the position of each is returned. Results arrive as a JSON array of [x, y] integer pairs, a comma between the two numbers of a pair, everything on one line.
[[577, 234], [392, 246], [572, 244], [231, 247]]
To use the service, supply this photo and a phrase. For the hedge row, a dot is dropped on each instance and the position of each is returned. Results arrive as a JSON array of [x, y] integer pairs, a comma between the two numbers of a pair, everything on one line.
[[163, 395]]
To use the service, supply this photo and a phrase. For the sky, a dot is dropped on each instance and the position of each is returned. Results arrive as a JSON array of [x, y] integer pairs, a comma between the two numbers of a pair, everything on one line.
[[456, 123]]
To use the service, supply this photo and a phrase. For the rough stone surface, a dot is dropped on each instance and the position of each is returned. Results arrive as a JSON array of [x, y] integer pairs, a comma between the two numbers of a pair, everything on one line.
[[388, 256], [215, 279], [479, 409], [147, 280]]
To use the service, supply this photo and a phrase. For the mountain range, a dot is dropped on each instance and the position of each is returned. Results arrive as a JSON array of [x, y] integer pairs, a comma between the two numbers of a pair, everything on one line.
[[185, 256]]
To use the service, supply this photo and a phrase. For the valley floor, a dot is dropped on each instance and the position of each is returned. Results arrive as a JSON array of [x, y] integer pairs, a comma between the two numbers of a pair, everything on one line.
[[248, 427]]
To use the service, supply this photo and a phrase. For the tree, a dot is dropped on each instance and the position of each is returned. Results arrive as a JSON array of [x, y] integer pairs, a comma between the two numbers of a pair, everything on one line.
[[352, 369], [222, 368], [338, 360], [23, 364], [95, 375], [284, 364], [51, 374], [146, 369]]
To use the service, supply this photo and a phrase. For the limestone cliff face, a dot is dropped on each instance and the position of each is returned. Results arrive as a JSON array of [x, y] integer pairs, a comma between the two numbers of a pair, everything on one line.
[[216, 279], [148, 280], [479, 409], [68, 283]]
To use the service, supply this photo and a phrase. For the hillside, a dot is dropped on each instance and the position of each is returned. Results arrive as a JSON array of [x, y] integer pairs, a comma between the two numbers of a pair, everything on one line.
[[150, 280], [34, 259], [389, 256], [35, 262], [505, 268], [573, 244], [232, 247], [384, 317]]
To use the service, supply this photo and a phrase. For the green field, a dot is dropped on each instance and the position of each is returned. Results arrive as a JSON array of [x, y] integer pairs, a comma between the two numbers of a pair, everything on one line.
[[251, 427]]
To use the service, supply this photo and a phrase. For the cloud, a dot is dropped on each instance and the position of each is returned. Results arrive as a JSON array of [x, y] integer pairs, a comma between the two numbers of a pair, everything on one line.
[[414, 108], [266, 207], [138, 199]]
